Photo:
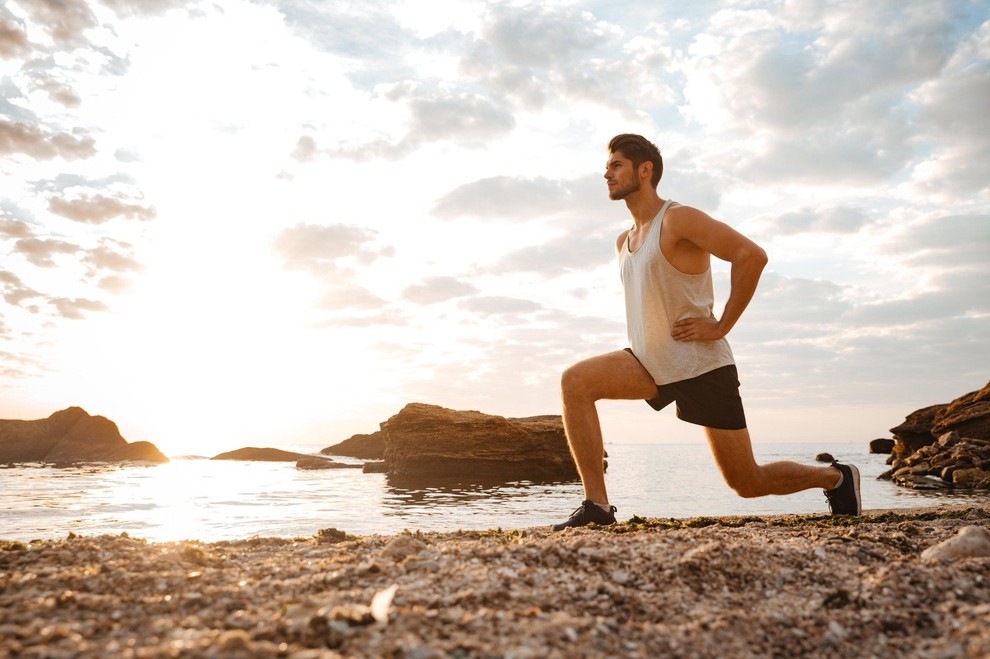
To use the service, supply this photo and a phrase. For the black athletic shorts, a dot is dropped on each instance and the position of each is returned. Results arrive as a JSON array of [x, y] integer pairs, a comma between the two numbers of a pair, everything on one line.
[[711, 400]]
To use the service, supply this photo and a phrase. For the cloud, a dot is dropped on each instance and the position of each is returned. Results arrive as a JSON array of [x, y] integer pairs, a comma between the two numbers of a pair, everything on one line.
[[534, 55], [829, 220], [436, 113], [74, 309], [111, 255], [142, 7], [64, 20], [945, 241], [505, 197], [32, 141], [12, 228], [14, 290], [828, 107], [571, 253], [957, 128], [98, 208], [438, 289], [13, 39], [40, 251], [494, 305], [316, 247]]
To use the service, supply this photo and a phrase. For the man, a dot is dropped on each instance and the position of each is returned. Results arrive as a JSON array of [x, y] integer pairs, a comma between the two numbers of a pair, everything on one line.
[[678, 352]]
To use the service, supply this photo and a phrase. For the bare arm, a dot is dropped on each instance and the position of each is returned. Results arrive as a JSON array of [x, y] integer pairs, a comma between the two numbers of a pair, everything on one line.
[[747, 261]]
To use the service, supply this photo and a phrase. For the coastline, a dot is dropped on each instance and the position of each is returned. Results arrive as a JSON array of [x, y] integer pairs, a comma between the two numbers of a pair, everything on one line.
[[782, 585]]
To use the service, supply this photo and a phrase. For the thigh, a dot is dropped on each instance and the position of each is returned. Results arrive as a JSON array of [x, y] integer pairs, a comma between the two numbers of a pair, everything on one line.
[[615, 376]]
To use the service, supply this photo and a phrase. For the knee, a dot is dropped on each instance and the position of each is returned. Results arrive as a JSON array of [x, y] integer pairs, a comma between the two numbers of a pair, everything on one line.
[[573, 383], [746, 485]]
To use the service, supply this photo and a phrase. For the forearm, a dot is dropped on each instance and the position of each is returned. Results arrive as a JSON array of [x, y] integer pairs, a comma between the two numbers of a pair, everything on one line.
[[744, 277]]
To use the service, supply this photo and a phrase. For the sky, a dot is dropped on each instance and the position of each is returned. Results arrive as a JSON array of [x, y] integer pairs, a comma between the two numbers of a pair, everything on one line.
[[227, 223]]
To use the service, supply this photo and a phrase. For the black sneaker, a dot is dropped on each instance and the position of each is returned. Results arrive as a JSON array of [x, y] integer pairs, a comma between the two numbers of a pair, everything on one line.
[[588, 513], [845, 499]]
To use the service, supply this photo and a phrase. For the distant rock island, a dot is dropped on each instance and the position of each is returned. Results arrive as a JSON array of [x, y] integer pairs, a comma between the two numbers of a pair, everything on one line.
[[268, 454], [71, 436], [428, 441]]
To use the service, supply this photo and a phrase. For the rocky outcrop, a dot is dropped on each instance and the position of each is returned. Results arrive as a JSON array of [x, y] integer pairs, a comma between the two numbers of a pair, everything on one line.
[[943, 446], [968, 415], [430, 441], [363, 447], [952, 461], [71, 436]]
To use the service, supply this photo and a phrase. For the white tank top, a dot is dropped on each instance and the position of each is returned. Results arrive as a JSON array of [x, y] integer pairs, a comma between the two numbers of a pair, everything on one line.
[[658, 295]]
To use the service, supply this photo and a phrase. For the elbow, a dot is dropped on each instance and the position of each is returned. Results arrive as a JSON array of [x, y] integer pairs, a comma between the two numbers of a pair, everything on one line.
[[762, 257], [754, 257]]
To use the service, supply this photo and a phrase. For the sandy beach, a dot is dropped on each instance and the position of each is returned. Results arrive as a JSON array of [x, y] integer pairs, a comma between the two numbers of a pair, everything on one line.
[[780, 586]]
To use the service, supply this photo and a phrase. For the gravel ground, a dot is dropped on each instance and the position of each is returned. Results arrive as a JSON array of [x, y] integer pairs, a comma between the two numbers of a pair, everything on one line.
[[783, 586]]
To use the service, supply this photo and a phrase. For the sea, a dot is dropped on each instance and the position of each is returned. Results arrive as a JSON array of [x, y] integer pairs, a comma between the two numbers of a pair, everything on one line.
[[209, 500]]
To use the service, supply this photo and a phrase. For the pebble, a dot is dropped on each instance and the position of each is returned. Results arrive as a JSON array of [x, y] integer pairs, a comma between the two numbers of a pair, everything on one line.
[[771, 589]]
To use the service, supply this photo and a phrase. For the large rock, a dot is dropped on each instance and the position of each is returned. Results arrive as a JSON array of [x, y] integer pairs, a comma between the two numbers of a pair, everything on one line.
[[425, 441], [71, 436], [968, 415], [363, 447]]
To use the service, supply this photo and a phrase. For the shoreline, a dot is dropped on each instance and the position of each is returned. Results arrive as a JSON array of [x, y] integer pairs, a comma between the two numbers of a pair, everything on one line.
[[781, 585]]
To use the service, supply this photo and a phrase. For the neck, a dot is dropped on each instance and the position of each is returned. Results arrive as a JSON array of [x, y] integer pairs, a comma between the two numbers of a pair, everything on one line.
[[644, 205]]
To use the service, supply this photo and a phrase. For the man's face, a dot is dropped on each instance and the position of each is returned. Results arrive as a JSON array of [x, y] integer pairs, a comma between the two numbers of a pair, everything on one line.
[[621, 177]]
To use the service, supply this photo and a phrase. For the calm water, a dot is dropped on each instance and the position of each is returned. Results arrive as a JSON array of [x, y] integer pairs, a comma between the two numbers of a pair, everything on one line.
[[222, 500]]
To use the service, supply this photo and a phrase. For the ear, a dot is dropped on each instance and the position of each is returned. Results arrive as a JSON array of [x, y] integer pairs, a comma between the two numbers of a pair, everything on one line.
[[646, 169]]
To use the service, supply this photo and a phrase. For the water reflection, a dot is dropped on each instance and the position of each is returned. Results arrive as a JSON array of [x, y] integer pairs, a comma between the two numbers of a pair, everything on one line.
[[401, 491]]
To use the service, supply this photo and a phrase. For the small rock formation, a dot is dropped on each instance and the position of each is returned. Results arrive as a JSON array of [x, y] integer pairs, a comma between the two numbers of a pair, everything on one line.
[[968, 415], [882, 446], [824, 457], [426, 441], [71, 436], [952, 461], [316, 462], [971, 542], [363, 447], [944, 445], [261, 455]]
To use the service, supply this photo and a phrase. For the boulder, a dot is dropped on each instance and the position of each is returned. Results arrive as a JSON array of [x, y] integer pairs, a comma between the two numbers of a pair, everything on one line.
[[363, 447], [915, 431], [261, 455], [824, 457], [882, 446], [428, 441], [71, 436], [968, 415], [971, 542]]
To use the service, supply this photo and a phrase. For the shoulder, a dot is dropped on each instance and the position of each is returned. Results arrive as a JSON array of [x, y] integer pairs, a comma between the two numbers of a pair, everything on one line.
[[620, 240], [687, 222]]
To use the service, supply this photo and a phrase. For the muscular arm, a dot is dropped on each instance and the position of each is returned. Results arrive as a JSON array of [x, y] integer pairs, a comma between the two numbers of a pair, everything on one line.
[[747, 261]]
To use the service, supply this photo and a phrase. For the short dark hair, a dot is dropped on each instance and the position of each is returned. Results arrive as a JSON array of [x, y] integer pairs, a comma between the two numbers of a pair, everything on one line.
[[638, 149]]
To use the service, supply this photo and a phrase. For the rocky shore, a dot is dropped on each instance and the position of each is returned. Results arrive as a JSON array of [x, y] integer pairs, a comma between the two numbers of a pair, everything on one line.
[[705, 587]]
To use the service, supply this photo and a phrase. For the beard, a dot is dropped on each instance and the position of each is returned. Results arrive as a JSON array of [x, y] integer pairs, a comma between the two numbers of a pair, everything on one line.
[[620, 192]]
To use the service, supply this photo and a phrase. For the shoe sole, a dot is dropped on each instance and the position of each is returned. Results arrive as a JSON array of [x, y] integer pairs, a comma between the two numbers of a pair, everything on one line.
[[859, 499]]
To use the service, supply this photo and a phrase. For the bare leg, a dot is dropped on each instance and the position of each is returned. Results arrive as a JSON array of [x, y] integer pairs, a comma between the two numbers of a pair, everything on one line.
[[612, 376], [733, 453]]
